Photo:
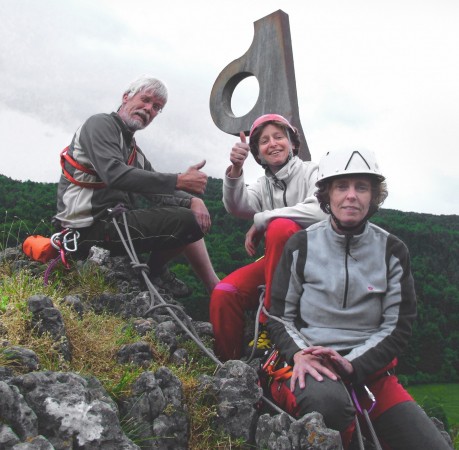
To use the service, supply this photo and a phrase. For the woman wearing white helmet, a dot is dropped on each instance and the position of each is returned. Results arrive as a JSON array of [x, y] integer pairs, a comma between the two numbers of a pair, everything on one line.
[[280, 203], [346, 286]]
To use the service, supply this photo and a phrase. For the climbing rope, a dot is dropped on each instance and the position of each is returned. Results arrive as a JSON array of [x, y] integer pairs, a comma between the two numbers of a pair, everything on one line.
[[154, 294]]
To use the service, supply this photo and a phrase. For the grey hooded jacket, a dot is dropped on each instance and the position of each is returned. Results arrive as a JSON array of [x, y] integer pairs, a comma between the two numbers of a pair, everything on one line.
[[353, 294]]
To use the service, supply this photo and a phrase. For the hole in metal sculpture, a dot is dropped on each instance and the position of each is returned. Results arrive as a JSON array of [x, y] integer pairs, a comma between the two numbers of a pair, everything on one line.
[[245, 96]]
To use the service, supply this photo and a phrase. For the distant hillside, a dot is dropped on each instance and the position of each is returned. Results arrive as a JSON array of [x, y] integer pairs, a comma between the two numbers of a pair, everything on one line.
[[27, 208]]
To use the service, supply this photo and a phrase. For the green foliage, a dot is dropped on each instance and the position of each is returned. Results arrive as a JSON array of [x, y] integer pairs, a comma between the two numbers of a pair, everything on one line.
[[27, 208], [440, 401], [3, 303], [433, 241]]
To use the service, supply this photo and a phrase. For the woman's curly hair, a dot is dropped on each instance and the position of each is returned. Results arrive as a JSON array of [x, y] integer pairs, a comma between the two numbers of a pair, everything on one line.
[[379, 193]]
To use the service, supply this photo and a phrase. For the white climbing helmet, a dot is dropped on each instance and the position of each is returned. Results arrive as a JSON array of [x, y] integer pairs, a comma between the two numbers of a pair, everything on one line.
[[348, 162]]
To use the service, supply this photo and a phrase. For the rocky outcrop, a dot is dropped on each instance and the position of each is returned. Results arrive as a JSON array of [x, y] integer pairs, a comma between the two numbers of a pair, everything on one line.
[[64, 410], [157, 409]]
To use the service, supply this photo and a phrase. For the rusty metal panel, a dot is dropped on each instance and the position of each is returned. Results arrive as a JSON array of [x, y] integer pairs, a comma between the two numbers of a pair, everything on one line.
[[270, 60]]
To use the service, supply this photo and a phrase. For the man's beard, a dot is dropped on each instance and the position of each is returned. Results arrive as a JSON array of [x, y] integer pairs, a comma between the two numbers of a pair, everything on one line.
[[134, 124], [136, 121]]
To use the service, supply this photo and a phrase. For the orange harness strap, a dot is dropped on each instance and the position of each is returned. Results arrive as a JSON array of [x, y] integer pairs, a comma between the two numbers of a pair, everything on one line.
[[65, 157], [282, 374]]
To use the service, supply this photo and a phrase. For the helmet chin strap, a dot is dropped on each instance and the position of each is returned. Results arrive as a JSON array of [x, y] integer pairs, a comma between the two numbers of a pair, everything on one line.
[[348, 230], [355, 228]]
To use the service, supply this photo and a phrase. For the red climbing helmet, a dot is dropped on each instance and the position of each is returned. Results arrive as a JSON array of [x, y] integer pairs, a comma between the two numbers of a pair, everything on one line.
[[269, 118]]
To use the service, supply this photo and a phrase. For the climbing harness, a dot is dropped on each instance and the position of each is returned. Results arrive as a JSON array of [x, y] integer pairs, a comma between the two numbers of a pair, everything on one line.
[[272, 370], [65, 157]]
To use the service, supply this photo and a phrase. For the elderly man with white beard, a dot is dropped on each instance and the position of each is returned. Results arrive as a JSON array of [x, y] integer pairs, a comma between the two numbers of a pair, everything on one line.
[[103, 170]]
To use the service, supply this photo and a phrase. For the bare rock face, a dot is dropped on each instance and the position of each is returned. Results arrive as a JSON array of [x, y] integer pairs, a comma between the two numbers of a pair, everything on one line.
[[138, 353], [21, 358], [15, 411], [158, 411], [237, 393], [48, 319], [70, 411]]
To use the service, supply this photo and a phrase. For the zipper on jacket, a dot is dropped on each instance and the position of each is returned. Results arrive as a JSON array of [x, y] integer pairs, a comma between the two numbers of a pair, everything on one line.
[[282, 185], [285, 192], [270, 192], [346, 256]]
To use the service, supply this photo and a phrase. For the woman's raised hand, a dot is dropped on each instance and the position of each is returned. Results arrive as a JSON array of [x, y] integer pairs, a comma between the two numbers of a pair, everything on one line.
[[238, 155]]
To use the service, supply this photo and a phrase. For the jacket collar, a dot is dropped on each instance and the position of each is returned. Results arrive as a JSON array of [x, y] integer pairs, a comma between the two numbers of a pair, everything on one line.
[[285, 172], [127, 134], [356, 239]]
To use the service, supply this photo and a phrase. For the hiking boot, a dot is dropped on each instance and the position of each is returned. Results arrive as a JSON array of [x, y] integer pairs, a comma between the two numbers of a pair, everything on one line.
[[168, 281]]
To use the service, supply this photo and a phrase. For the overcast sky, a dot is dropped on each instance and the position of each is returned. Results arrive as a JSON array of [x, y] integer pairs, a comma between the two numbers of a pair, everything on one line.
[[376, 74]]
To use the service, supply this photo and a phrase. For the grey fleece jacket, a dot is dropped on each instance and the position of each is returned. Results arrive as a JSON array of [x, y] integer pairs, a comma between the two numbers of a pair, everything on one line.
[[353, 294], [289, 194], [103, 143]]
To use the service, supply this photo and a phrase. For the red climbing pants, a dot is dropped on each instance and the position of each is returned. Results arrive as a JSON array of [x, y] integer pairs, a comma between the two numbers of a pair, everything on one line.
[[398, 421], [238, 291]]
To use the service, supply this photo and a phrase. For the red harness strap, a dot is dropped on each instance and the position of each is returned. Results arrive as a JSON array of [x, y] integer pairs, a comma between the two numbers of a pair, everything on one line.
[[65, 157]]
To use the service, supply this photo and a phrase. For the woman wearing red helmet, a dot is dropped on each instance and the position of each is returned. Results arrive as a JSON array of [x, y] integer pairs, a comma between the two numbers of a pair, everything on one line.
[[279, 203]]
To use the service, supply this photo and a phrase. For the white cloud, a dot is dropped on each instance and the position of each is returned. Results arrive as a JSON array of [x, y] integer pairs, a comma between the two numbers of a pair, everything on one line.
[[376, 75]]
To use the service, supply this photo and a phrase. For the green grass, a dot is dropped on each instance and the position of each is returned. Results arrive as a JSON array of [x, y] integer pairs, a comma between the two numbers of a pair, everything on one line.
[[96, 339], [445, 396]]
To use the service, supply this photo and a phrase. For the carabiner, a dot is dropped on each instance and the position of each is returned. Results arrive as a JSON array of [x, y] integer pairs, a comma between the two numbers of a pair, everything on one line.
[[71, 238], [370, 394]]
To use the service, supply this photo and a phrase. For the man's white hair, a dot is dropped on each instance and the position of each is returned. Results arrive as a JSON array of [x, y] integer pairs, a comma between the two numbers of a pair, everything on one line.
[[147, 83]]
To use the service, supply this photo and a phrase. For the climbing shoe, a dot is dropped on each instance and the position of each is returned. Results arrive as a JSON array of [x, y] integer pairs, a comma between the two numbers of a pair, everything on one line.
[[168, 281]]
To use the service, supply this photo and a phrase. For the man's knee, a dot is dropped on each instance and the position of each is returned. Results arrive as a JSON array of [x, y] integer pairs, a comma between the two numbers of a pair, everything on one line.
[[187, 227]]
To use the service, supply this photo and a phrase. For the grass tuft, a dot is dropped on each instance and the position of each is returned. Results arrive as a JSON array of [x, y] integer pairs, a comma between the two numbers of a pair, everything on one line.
[[95, 341]]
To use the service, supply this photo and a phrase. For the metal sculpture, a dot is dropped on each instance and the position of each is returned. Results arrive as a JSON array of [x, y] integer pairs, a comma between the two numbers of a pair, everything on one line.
[[270, 60]]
